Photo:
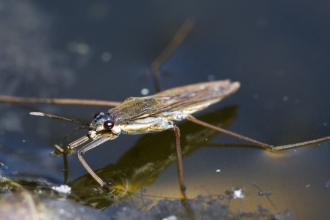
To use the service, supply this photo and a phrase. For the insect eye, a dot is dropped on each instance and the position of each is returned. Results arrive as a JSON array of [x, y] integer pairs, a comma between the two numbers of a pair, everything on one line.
[[97, 114], [108, 124]]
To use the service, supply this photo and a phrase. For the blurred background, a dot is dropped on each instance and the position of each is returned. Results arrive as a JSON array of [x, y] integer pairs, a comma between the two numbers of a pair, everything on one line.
[[278, 51]]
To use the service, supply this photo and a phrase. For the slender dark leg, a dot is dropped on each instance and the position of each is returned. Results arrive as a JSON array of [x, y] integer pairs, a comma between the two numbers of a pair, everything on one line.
[[177, 40], [65, 168], [185, 202], [60, 101], [267, 146], [179, 160]]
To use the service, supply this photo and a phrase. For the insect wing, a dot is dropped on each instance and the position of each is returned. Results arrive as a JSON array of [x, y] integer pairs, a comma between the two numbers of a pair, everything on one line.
[[185, 99], [194, 97]]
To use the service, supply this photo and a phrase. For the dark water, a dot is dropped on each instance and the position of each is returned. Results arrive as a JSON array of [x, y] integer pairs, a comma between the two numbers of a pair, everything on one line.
[[279, 51]]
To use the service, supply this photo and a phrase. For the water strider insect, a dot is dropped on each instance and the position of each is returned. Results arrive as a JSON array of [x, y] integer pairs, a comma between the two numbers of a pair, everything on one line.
[[138, 115]]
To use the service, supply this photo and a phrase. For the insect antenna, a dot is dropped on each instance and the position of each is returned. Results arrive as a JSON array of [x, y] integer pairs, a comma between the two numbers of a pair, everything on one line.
[[59, 117]]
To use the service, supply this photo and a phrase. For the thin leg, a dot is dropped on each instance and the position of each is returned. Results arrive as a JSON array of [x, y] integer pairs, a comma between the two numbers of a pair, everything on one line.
[[72, 145], [177, 40], [267, 146], [65, 168], [88, 147], [12, 99], [180, 173], [179, 159]]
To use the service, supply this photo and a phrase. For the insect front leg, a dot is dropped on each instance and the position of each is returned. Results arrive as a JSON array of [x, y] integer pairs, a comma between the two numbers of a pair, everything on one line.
[[67, 150], [73, 144], [258, 143], [88, 147]]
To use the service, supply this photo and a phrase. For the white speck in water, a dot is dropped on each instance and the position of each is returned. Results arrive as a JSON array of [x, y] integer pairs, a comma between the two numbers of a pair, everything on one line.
[[172, 217], [325, 124], [308, 185], [65, 189], [23, 141], [285, 98], [106, 57], [218, 170], [144, 91], [238, 194]]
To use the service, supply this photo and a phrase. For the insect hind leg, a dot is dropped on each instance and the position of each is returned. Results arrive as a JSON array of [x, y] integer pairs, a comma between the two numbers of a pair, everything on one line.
[[258, 143]]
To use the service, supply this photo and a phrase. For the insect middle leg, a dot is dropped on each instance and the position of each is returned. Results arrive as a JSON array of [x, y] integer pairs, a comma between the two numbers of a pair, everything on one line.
[[179, 159], [180, 173]]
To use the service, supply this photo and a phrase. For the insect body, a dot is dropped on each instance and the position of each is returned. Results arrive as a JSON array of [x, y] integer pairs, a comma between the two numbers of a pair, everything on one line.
[[155, 113]]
